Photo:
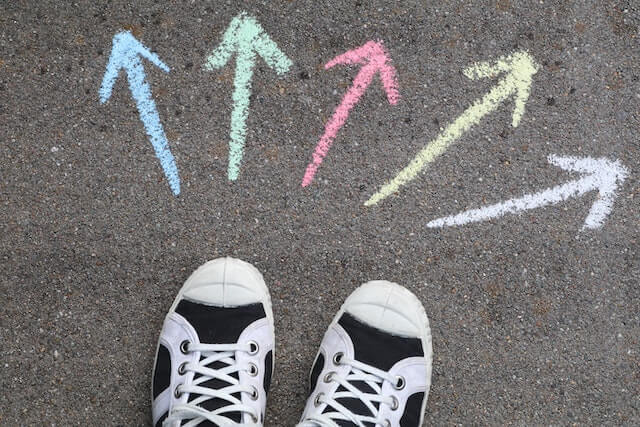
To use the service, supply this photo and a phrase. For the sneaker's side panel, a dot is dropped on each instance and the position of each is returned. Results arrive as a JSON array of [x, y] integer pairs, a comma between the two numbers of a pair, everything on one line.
[[175, 330], [335, 341], [259, 332], [414, 370]]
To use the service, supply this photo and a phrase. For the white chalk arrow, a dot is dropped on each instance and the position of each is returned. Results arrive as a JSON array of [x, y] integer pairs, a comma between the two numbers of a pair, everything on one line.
[[600, 174]]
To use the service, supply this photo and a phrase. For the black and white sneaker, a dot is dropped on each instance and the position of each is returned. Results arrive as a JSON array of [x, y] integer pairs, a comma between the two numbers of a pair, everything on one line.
[[374, 363], [214, 360]]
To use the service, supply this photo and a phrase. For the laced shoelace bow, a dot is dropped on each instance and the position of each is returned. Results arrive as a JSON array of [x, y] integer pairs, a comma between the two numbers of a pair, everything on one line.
[[210, 354], [359, 372]]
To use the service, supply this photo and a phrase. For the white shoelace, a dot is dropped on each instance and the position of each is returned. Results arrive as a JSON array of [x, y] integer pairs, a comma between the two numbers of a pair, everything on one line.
[[359, 371], [192, 410]]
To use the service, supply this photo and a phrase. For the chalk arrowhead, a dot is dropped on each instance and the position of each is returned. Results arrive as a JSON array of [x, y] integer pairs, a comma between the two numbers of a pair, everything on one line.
[[519, 68], [247, 37], [374, 60], [125, 52], [600, 174], [374, 57]]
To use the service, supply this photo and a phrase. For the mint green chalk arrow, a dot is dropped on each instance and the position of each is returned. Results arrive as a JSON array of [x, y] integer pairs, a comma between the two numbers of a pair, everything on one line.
[[246, 37]]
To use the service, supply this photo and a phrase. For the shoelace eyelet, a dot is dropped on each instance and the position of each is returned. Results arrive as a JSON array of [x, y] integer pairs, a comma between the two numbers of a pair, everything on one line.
[[184, 347], [316, 401], [254, 419], [329, 377], [254, 394], [394, 403], [181, 368], [337, 358], [253, 348], [253, 369], [177, 393], [387, 423], [400, 383]]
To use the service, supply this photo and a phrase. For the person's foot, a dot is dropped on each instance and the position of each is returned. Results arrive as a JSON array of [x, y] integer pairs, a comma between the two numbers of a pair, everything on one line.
[[374, 363], [214, 359]]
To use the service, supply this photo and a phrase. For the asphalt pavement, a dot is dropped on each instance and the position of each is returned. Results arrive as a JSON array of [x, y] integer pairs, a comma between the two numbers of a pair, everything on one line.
[[534, 313]]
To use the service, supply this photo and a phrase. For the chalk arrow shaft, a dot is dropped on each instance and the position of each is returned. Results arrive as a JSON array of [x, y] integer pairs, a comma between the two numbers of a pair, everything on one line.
[[439, 145], [125, 54], [340, 115], [248, 39], [516, 83], [602, 175], [375, 60], [240, 112], [141, 92]]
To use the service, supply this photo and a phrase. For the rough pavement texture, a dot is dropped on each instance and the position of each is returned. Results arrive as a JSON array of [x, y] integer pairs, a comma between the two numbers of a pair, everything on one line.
[[534, 322]]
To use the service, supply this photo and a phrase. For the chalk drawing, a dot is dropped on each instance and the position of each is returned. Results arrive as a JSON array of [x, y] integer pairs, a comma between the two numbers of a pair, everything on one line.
[[126, 51], [374, 59], [600, 174], [519, 68], [247, 38]]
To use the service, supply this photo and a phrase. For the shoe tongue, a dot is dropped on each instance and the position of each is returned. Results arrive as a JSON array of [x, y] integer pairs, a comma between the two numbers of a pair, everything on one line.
[[353, 404], [378, 348], [216, 403], [218, 325]]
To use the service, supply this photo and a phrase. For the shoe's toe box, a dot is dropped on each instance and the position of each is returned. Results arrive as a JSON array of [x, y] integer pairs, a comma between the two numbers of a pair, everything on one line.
[[389, 307], [226, 282]]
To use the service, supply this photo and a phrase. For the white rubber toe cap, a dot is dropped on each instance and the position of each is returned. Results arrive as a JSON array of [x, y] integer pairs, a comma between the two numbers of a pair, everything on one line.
[[389, 307], [226, 282]]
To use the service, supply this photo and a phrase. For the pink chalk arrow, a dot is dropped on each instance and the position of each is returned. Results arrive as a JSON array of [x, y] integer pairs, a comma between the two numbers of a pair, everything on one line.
[[373, 58]]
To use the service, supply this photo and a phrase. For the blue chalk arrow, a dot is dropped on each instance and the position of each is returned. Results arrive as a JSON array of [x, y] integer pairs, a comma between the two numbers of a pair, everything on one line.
[[125, 53]]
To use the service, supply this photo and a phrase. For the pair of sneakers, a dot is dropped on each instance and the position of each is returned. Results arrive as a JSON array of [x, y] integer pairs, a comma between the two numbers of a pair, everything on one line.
[[215, 355]]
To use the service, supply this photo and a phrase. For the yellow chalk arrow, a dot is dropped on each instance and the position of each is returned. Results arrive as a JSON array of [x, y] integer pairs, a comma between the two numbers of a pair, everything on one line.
[[519, 68]]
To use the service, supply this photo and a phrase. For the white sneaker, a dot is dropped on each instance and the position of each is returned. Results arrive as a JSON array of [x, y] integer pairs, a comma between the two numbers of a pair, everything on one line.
[[214, 360], [374, 363]]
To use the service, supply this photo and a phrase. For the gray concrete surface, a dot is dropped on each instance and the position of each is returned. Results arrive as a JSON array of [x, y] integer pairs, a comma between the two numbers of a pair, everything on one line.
[[534, 322]]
